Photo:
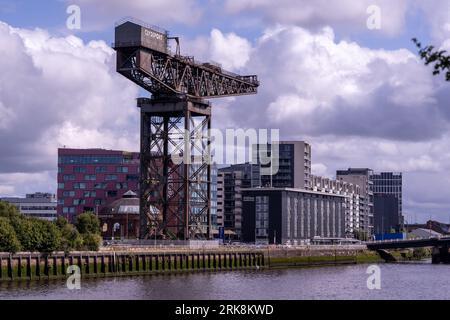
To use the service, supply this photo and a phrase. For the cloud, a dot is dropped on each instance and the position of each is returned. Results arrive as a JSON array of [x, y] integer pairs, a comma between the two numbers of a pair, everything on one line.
[[358, 107], [347, 15], [313, 85], [100, 14], [59, 91], [231, 50]]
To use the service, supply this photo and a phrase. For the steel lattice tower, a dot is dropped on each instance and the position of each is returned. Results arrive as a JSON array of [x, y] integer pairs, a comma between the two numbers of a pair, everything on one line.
[[175, 172]]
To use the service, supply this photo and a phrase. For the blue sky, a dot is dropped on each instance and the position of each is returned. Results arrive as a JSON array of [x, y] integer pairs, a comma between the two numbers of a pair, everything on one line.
[[361, 97]]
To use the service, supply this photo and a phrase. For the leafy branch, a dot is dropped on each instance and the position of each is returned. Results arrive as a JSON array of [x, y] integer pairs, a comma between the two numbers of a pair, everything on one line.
[[439, 58]]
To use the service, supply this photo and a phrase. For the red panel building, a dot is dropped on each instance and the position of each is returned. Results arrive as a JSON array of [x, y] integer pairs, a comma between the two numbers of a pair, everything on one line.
[[91, 179]]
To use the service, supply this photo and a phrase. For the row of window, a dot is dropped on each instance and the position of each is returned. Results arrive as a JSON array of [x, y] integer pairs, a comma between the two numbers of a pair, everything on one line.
[[90, 159], [82, 185], [93, 177], [86, 194], [97, 169]]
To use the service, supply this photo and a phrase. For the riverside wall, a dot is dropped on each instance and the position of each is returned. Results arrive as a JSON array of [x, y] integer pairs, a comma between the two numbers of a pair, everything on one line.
[[126, 261]]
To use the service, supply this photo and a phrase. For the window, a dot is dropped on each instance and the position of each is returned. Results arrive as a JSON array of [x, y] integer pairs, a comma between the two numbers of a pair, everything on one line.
[[100, 169], [122, 169], [111, 194], [132, 177], [90, 177], [68, 177], [60, 185], [65, 210], [77, 202], [71, 210], [110, 177], [79, 185], [61, 201], [98, 202], [90, 194], [100, 186], [60, 169], [79, 169], [69, 193], [121, 185]]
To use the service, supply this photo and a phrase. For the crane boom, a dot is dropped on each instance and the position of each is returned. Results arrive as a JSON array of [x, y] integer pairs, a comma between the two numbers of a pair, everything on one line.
[[147, 61]]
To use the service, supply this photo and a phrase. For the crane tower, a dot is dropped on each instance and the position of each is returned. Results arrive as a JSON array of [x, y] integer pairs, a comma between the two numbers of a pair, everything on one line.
[[175, 170]]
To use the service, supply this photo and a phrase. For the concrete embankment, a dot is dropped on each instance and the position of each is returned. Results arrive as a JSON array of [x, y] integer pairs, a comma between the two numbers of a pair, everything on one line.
[[135, 261]]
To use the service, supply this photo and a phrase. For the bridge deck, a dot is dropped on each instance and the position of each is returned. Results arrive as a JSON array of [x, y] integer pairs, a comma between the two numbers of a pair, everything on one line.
[[403, 244]]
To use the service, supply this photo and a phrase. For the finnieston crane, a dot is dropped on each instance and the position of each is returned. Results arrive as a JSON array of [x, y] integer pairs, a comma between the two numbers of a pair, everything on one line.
[[175, 123]]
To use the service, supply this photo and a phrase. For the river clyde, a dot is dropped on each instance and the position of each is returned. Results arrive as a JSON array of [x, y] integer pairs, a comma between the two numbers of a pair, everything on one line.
[[410, 281]]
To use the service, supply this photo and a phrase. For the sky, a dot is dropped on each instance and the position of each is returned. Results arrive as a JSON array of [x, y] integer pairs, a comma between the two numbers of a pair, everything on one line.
[[342, 75]]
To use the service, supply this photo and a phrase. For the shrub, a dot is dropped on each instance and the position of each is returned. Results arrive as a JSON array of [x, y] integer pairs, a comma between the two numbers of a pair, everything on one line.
[[8, 211], [91, 241], [87, 223], [8, 237]]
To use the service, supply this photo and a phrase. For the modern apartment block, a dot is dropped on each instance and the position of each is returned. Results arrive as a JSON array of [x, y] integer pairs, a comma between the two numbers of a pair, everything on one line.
[[290, 167], [363, 178], [291, 216], [36, 205], [354, 204], [388, 201], [91, 179], [230, 182]]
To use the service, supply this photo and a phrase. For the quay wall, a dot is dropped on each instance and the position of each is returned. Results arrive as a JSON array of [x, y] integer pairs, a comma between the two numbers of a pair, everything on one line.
[[137, 261]]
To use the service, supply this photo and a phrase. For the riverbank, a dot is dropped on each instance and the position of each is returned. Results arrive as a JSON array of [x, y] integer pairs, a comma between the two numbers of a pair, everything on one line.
[[135, 261]]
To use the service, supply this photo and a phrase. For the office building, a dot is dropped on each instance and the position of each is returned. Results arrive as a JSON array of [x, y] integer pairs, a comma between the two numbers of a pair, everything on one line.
[[388, 188], [386, 219], [354, 204], [291, 216], [230, 182], [36, 205], [91, 179], [283, 165], [362, 178]]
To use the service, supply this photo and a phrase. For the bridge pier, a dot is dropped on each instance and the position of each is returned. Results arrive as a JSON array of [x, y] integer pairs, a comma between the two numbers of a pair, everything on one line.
[[440, 255]]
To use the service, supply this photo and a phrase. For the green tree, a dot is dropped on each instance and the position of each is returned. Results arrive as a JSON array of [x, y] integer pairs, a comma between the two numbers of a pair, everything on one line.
[[439, 58], [51, 236], [71, 238], [88, 223], [92, 241], [28, 233], [7, 210], [8, 237]]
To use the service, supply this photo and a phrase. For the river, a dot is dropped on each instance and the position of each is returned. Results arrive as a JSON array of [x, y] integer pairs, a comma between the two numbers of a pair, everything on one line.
[[398, 281]]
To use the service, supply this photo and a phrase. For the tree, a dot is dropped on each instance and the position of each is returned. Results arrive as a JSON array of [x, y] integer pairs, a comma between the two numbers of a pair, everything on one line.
[[36, 235], [51, 236], [7, 210], [71, 238], [439, 58], [87, 223], [92, 241], [28, 233], [8, 237]]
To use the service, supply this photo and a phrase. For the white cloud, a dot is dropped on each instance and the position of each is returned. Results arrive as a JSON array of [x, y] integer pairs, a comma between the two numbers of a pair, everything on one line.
[[57, 91], [230, 50]]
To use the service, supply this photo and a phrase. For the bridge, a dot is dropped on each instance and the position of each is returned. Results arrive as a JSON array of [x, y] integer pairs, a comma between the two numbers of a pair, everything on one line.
[[440, 247]]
